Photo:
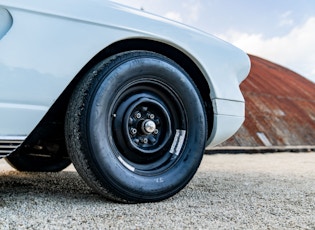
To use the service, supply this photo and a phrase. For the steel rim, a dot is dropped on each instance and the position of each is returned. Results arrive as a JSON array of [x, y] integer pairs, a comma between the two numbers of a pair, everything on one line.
[[148, 125]]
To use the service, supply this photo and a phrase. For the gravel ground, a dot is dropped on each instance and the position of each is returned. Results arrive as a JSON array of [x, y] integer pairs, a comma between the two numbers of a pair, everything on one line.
[[269, 191]]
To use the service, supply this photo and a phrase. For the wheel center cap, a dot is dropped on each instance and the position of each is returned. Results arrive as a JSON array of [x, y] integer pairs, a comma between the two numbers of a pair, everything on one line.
[[148, 126]]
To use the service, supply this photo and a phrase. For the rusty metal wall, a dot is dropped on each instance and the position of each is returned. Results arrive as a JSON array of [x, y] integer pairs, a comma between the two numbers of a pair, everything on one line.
[[280, 108]]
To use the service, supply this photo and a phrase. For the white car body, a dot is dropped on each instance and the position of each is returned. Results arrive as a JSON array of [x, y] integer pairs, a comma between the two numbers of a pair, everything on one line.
[[51, 41], [48, 48]]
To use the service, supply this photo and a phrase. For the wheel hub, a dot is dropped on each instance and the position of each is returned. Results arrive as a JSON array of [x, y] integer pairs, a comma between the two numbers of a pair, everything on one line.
[[144, 123], [148, 126]]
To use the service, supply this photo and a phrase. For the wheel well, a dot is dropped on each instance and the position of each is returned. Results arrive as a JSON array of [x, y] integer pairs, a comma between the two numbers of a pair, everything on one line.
[[51, 126]]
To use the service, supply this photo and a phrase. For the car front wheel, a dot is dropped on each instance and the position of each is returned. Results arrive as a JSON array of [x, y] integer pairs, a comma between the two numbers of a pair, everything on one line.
[[136, 127]]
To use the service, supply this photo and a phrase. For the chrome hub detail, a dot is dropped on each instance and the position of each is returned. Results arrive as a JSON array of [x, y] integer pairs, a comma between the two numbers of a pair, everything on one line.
[[148, 126]]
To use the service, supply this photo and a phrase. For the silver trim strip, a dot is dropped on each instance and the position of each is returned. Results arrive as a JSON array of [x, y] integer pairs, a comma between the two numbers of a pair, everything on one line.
[[16, 138], [10, 143]]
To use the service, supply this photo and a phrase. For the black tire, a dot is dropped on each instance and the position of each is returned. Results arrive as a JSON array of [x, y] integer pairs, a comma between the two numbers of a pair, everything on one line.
[[26, 162], [136, 127]]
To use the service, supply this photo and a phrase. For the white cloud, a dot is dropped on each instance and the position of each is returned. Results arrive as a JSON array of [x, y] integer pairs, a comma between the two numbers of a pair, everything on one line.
[[193, 8], [295, 50], [285, 19]]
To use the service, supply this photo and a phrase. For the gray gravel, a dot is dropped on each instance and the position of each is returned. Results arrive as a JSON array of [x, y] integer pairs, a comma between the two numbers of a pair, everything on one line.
[[270, 191]]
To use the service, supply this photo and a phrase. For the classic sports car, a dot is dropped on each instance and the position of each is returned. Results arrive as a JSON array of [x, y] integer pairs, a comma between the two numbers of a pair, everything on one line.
[[131, 99]]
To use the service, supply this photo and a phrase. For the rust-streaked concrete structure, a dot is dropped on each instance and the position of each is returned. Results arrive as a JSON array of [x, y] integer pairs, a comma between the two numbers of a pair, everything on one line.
[[280, 108]]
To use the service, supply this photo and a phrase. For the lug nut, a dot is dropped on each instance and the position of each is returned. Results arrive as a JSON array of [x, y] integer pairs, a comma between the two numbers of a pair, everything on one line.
[[150, 116], [156, 131], [133, 131], [144, 140], [137, 115]]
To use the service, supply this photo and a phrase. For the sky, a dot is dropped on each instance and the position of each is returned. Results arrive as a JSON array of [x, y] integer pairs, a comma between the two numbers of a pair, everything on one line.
[[282, 31]]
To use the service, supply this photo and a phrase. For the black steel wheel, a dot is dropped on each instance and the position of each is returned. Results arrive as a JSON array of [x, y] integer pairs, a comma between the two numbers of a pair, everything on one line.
[[136, 127]]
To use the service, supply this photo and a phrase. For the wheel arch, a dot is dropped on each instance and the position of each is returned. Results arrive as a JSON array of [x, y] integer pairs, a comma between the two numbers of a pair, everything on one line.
[[169, 51], [54, 118]]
